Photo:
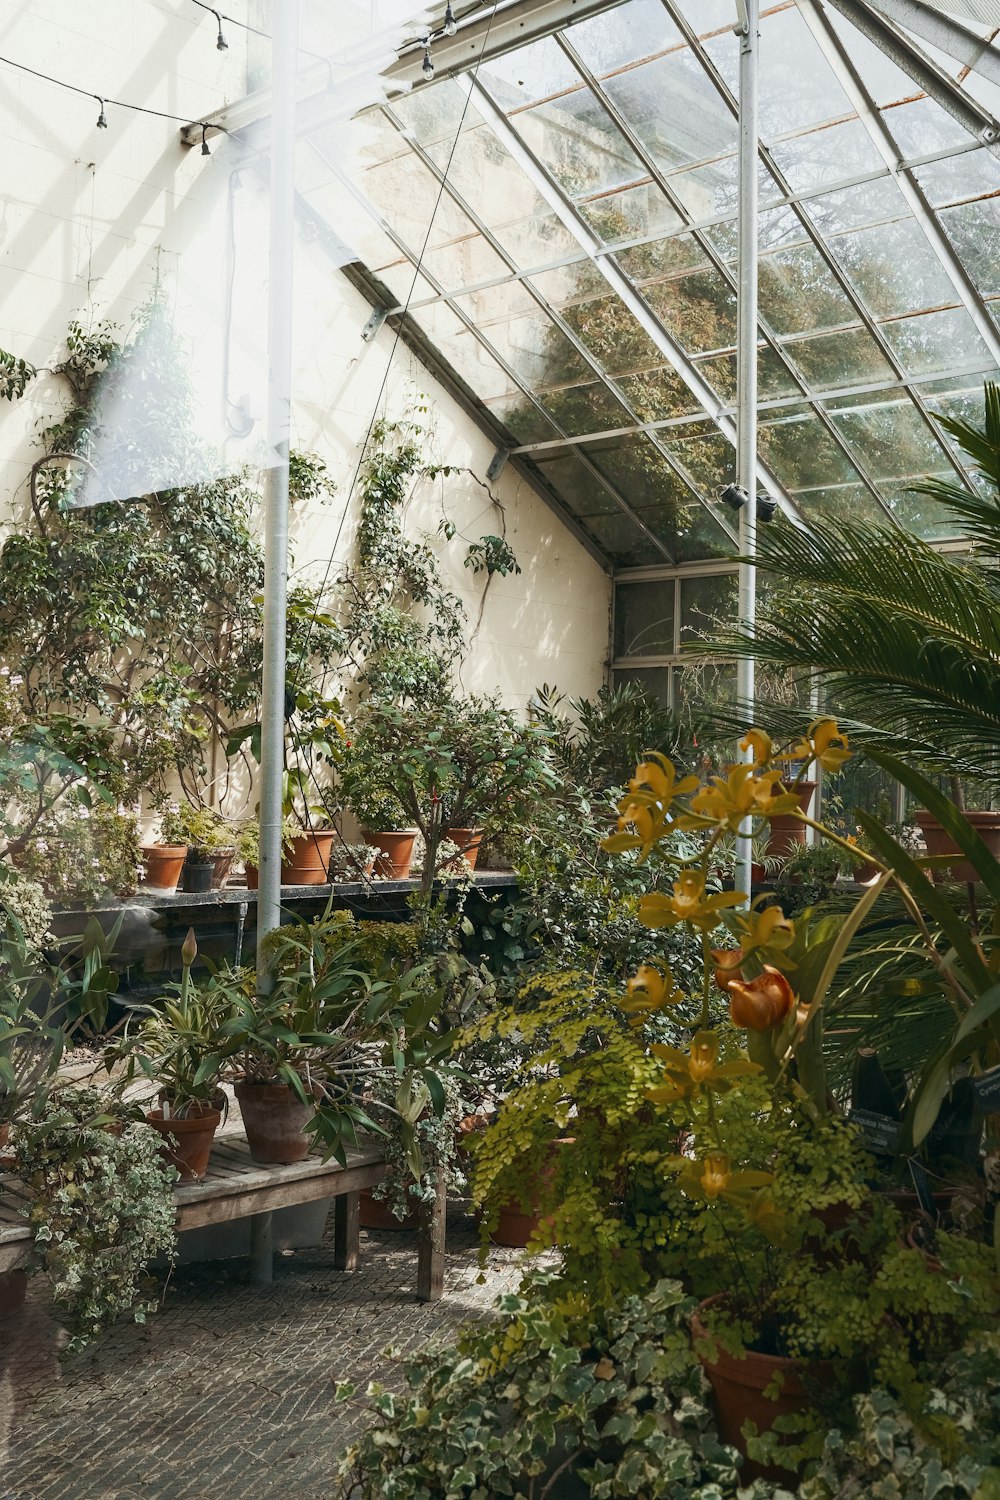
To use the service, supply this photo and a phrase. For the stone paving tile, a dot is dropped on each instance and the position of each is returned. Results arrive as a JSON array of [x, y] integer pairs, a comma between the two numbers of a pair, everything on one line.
[[227, 1393]]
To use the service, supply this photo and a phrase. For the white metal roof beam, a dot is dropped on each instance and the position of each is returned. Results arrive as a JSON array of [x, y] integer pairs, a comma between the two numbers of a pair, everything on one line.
[[945, 33], [878, 131], [552, 194]]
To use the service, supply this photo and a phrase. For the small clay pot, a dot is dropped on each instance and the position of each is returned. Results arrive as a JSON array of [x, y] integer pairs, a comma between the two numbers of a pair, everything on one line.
[[162, 865], [468, 841], [187, 1141], [275, 1121], [307, 859]]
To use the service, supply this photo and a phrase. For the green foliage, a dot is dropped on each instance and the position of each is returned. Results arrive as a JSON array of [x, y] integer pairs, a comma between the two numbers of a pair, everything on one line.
[[903, 637], [611, 1401], [308, 477], [808, 876], [491, 554], [450, 763], [404, 629], [600, 736], [100, 1207], [198, 827], [15, 376], [434, 1133]]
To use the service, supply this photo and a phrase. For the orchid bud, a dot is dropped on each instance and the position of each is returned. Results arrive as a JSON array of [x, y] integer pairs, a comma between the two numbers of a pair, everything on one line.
[[189, 949]]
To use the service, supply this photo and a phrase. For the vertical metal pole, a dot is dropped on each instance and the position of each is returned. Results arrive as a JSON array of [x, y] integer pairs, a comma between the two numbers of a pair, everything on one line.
[[285, 47], [746, 370]]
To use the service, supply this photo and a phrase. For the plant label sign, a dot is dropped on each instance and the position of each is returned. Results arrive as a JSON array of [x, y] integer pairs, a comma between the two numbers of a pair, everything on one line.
[[879, 1133], [987, 1089]]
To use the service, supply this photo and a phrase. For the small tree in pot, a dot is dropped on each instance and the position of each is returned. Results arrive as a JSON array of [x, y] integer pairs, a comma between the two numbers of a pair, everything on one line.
[[447, 765]]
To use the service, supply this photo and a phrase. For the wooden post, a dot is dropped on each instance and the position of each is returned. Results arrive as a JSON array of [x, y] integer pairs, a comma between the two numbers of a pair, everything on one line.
[[430, 1244], [347, 1231], [262, 1248]]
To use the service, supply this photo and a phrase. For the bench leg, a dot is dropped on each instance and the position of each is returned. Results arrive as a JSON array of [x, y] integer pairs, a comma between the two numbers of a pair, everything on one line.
[[430, 1244], [262, 1248], [347, 1231]]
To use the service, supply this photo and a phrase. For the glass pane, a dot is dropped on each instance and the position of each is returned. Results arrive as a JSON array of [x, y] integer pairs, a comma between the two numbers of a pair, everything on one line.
[[527, 75], [797, 85], [891, 439], [675, 110], [774, 379], [639, 472], [710, 191], [802, 452], [921, 513], [922, 127], [430, 114], [464, 263], [851, 208], [798, 292], [466, 354], [580, 490], [623, 35], [522, 419], [657, 395], [622, 542], [974, 230], [707, 603], [660, 259], [630, 214], [653, 680], [963, 176], [644, 619], [707, 456], [698, 309], [894, 268], [579, 143], [535, 349], [585, 408], [702, 537], [937, 341], [612, 335], [850, 357], [827, 155], [846, 502]]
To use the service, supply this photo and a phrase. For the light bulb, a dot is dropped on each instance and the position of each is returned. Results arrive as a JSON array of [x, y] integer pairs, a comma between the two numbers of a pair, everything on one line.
[[427, 67], [102, 120], [450, 24]]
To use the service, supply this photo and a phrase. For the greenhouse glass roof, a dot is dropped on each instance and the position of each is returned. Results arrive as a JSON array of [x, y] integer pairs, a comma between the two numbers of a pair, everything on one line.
[[560, 222]]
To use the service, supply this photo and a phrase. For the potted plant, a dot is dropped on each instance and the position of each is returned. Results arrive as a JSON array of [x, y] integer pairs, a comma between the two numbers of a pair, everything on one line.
[[209, 837], [444, 766], [303, 1054], [100, 1204], [393, 1103], [178, 1046], [352, 862]]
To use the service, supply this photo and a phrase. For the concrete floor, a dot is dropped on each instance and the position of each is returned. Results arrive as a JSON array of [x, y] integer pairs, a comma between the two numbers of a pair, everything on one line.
[[229, 1390]]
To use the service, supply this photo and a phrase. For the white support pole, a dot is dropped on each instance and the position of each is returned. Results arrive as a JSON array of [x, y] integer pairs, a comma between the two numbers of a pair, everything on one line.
[[285, 50], [746, 370]]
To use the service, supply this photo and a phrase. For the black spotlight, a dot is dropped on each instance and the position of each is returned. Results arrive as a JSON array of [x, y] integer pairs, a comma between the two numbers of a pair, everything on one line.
[[767, 506], [735, 496]]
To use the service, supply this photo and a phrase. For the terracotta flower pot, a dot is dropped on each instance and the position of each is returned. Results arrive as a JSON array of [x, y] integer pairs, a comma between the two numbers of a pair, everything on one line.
[[222, 862], [187, 1142], [13, 1289], [519, 1220], [468, 841], [162, 865], [787, 831], [738, 1385], [374, 1214], [275, 1121], [308, 858], [6, 1161], [395, 852], [986, 824]]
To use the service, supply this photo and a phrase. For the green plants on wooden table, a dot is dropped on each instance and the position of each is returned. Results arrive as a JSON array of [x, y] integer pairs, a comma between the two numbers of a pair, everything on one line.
[[322, 1034], [205, 830], [454, 763], [178, 1046], [100, 1207]]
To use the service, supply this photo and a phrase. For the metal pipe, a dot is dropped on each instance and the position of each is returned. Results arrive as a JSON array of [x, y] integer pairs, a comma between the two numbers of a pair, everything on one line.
[[746, 377], [285, 44]]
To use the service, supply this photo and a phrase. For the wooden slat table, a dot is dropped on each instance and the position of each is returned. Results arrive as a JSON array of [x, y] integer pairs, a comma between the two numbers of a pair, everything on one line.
[[236, 1187]]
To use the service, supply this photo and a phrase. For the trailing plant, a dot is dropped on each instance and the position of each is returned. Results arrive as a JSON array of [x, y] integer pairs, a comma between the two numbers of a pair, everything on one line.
[[554, 1398], [16, 375], [437, 1142], [100, 1208], [308, 477], [491, 554]]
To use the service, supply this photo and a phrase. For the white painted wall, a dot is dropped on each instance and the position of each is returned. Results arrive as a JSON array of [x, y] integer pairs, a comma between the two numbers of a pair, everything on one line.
[[91, 220]]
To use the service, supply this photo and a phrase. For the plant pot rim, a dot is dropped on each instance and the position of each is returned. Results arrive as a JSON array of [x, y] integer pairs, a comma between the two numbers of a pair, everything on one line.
[[390, 832], [167, 848], [725, 1360], [206, 1116]]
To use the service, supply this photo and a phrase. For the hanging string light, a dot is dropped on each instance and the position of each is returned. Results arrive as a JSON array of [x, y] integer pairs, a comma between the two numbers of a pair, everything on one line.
[[427, 66], [102, 119], [448, 28], [220, 42], [204, 143], [450, 24]]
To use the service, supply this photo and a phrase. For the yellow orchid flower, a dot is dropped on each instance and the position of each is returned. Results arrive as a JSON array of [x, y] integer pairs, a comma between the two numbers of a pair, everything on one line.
[[824, 743], [650, 989], [658, 775], [688, 1073], [713, 1177], [645, 807], [689, 903], [758, 743], [744, 793], [769, 929]]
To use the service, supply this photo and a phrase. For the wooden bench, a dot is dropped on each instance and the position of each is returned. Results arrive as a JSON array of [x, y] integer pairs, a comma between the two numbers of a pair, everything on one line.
[[237, 1187]]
